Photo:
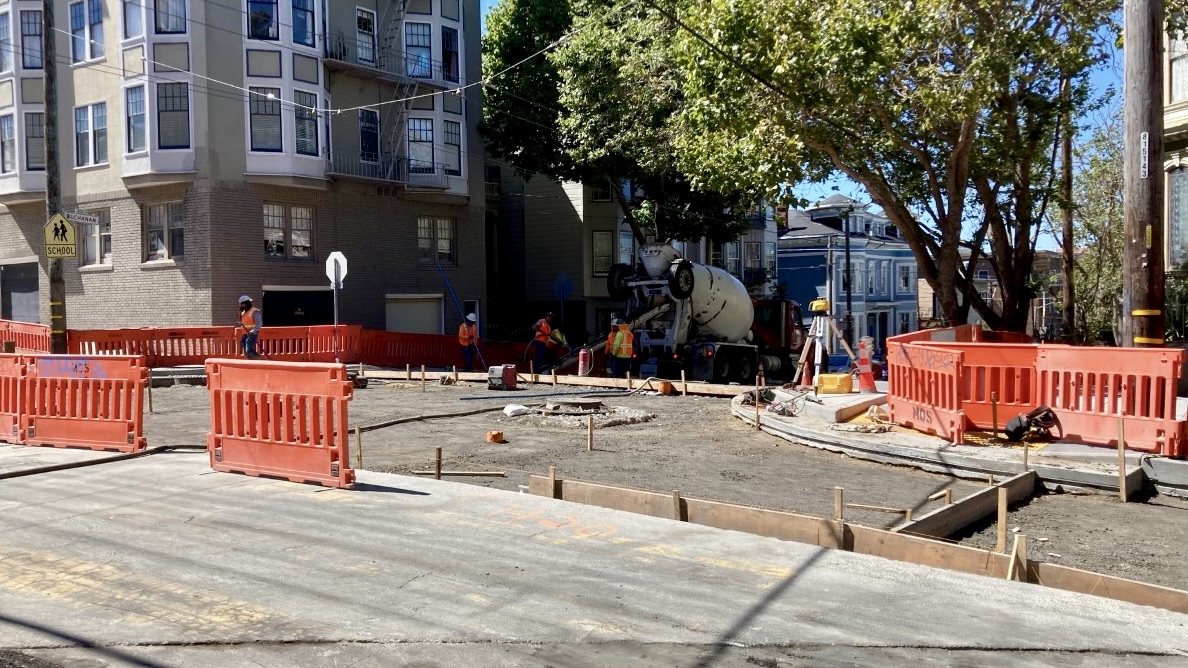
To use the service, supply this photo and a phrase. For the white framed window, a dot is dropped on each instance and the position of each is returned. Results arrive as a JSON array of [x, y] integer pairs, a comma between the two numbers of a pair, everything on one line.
[[164, 231], [1178, 70], [418, 50], [752, 258], [730, 255], [305, 122], [907, 279], [420, 145], [885, 278], [769, 258], [5, 42], [905, 322], [601, 251], [94, 29], [90, 135], [134, 112], [34, 141], [435, 240], [872, 270], [265, 119], [263, 20], [8, 161], [133, 18], [626, 247], [453, 148], [288, 232], [96, 239], [78, 32], [173, 115], [982, 275], [369, 124], [303, 22], [170, 16], [449, 54], [31, 39], [365, 35]]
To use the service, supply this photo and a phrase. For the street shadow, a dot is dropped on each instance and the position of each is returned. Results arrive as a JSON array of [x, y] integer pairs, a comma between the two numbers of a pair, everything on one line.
[[384, 489], [79, 641]]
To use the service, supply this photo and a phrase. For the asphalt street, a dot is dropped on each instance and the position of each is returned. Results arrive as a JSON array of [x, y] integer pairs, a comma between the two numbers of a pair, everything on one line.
[[159, 561]]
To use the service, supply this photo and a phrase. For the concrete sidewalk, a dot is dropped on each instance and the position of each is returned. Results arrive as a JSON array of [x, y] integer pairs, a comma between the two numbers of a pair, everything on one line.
[[159, 561]]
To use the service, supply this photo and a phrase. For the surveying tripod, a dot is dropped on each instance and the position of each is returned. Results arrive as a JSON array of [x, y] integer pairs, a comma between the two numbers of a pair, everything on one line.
[[820, 328]]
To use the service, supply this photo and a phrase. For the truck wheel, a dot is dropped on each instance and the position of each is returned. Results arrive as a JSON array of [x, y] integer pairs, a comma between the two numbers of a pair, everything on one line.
[[680, 279], [723, 367], [616, 282], [746, 370]]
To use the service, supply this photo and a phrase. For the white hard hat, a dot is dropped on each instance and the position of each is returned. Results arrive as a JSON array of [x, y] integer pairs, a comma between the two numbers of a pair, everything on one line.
[[471, 317], [244, 299]]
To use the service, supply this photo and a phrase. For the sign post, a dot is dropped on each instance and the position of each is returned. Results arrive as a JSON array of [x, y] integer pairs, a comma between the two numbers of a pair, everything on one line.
[[60, 242], [336, 270]]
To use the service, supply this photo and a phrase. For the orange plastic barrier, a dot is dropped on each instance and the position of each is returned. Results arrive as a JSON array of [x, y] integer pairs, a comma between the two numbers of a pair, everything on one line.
[[988, 369], [12, 399], [85, 402], [924, 392], [29, 337], [1090, 388], [280, 419], [961, 334]]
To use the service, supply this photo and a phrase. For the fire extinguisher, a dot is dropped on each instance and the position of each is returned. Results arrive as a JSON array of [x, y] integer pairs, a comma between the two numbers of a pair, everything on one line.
[[584, 361]]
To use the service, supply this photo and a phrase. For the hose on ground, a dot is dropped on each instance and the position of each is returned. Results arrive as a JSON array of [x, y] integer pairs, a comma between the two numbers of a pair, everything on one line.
[[95, 462]]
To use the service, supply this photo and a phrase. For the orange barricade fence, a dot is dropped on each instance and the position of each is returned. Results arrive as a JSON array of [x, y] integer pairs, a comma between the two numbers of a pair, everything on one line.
[[321, 343], [190, 345], [960, 334], [29, 337], [1004, 370], [12, 399], [1089, 389], [280, 419], [85, 402], [924, 389]]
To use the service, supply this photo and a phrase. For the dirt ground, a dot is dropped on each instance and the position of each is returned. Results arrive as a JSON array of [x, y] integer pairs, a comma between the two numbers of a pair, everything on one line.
[[692, 444]]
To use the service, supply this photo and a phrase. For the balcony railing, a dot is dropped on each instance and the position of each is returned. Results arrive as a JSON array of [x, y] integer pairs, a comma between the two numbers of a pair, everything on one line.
[[370, 166], [365, 52]]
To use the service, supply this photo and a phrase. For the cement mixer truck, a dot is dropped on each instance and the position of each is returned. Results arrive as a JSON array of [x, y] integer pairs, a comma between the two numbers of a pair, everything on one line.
[[700, 319]]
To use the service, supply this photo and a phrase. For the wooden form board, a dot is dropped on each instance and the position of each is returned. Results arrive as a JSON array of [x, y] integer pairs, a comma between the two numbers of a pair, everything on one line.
[[700, 389], [948, 520], [864, 540]]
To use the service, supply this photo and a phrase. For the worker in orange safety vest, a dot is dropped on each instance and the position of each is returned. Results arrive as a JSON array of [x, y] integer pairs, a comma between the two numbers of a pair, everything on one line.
[[468, 339], [543, 329], [620, 348], [251, 320]]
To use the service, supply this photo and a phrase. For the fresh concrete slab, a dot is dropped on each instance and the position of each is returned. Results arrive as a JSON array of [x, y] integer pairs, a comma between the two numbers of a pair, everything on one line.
[[148, 561]]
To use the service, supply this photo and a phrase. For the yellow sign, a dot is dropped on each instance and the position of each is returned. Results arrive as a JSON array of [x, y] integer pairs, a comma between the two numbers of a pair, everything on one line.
[[60, 240]]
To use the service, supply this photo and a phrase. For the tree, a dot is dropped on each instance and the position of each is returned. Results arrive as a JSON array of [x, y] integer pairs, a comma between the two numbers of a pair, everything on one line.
[[948, 113], [1098, 230], [599, 107]]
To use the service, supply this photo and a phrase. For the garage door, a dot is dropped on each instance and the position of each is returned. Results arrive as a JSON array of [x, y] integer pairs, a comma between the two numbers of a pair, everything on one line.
[[416, 314], [18, 292]]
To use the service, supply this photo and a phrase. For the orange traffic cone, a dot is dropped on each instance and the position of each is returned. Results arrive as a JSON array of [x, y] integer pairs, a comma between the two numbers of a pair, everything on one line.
[[866, 383]]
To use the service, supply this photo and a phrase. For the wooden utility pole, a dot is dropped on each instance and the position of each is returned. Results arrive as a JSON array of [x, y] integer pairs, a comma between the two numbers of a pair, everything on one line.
[[1142, 259], [1067, 294], [53, 175]]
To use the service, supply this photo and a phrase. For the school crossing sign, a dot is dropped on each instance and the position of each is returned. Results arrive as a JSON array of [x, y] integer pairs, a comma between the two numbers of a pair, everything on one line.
[[60, 238]]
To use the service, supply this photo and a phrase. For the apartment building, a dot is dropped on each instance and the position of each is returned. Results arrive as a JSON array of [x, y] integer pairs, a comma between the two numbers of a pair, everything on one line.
[[228, 147]]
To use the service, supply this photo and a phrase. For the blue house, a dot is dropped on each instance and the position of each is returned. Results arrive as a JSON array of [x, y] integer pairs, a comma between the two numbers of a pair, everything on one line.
[[811, 264]]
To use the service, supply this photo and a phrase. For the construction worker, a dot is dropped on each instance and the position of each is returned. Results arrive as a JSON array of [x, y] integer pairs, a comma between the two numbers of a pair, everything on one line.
[[543, 329], [251, 320], [620, 348], [468, 339]]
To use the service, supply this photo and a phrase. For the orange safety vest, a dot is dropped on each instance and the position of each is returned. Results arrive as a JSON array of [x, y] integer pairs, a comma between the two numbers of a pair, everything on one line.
[[248, 318], [467, 334], [621, 343], [543, 330]]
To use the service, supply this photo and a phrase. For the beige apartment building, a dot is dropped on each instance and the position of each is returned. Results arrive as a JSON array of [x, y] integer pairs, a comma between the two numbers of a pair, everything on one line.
[[227, 147]]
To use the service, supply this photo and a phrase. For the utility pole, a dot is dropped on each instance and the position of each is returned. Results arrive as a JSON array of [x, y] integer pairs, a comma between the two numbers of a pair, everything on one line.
[[1142, 258], [848, 283], [1067, 296], [53, 175]]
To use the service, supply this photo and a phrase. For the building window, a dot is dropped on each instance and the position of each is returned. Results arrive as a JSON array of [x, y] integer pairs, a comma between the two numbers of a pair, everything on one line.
[[288, 232], [453, 148], [303, 22], [274, 230], [301, 232], [982, 275], [164, 231], [95, 28], [492, 179], [31, 39], [305, 122], [871, 270], [5, 43], [602, 251], [78, 32], [133, 19], [173, 115], [369, 135], [420, 145], [730, 254], [449, 54], [907, 279], [134, 108], [7, 145], [265, 119], [435, 239], [600, 191], [1178, 66], [1177, 217], [90, 135], [627, 247], [171, 16], [35, 141], [365, 35], [96, 239], [262, 19], [418, 54], [905, 323], [769, 258]]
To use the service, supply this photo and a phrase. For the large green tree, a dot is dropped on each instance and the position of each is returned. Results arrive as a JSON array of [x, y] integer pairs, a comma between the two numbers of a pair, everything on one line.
[[946, 111], [1098, 229]]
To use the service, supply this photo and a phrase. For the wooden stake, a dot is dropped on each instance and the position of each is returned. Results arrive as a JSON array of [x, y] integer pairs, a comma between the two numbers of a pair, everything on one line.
[[437, 463], [629, 388], [947, 495], [553, 481], [360, 371], [758, 424], [994, 413], [1026, 451], [553, 373], [684, 385], [839, 504], [149, 389], [1017, 570], [408, 372], [422, 377], [532, 371], [1000, 546], [359, 446], [589, 433], [455, 375], [1122, 460], [676, 505]]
